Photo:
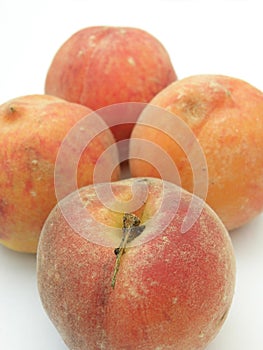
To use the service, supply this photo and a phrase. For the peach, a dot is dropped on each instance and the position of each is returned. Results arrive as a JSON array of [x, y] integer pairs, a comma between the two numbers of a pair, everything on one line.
[[100, 66], [32, 129], [225, 115], [173, 290]]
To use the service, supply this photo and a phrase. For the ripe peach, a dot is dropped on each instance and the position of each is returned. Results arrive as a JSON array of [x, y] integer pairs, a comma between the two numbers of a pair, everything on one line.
[[32, 129], [100, 66], [173, 290], [226, 116]]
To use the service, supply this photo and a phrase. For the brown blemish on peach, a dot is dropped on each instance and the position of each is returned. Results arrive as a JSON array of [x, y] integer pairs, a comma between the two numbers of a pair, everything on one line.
[[223, 318], [12, 109], [2, 206]]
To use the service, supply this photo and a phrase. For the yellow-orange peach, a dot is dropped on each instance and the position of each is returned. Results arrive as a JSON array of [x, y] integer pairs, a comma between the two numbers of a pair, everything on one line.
[[226, 116], [173, 290], [32, 129], [100, 66]]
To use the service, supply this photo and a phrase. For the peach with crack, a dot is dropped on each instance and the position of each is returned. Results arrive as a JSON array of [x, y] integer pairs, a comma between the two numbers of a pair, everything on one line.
[[165, 289]]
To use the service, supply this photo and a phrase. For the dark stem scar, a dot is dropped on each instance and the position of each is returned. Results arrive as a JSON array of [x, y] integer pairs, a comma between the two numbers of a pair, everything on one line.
[[130, 230]]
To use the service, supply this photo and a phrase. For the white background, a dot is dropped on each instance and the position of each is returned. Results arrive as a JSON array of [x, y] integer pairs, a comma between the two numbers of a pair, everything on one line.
[[223, 37]]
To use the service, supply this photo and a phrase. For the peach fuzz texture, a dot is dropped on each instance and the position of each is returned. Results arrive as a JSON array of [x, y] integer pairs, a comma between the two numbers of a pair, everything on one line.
[[31, 131], [226, 116], [172, 292], [100, 66]]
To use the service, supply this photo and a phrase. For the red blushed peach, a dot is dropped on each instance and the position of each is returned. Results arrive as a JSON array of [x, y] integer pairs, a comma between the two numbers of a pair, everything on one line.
[[173, 290], [226, 116], [100, 66], [32, 129]]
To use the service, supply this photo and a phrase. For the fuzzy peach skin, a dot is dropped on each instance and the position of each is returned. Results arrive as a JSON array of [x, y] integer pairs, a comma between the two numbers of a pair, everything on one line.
[[226, 116], [31, 131], [172, 291], [100, 66]]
